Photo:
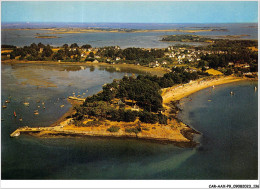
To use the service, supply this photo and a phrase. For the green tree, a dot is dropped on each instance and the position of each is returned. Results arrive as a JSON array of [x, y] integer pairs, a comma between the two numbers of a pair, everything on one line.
[[91, 54], [74, 45], [87, 46]]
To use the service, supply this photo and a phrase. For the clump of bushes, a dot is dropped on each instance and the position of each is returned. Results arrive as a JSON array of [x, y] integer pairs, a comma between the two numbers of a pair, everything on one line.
[[79, 123], [113, 129], [148, 117], [135, 130], [162, 119], [145, 129], [93, 123]]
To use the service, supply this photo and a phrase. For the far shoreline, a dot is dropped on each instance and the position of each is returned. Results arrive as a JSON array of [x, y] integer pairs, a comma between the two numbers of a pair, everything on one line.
[[159, 71]]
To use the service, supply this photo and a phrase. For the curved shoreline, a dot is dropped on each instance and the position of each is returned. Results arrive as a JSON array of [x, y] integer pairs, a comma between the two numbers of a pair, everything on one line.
[[178, 92], [175, 132]]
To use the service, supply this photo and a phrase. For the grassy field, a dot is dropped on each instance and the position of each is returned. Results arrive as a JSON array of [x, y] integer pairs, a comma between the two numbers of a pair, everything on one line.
[[214, 72]]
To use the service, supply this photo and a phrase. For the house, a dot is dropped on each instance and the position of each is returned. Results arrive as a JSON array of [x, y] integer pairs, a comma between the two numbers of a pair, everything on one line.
[[120, 102], [95, 61], [246, 65], [118, 58], [154, 64], [239, 65], [83, 54], [247, 74], [135, 108]]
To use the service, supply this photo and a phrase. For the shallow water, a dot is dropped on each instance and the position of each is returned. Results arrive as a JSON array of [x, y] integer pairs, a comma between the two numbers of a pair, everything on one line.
[[228, 145]]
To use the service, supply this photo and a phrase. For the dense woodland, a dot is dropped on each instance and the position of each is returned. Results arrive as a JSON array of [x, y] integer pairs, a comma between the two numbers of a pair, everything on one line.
[[186, 38], [143, 91], [236, 51], [131, 55], [73, 52]]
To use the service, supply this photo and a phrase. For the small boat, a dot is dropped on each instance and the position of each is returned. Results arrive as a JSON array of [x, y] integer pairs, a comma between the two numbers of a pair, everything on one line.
[[231, 93], [38, 106], [42, 103], [43, 107], [26, 104], [14, 114], [4, 106], [62, 106], [36, 112], [213, 86], [255, 88], [7, 101]]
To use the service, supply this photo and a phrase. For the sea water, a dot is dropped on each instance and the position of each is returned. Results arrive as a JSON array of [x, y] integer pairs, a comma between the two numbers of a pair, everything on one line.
[[228, 143], [124, 40]]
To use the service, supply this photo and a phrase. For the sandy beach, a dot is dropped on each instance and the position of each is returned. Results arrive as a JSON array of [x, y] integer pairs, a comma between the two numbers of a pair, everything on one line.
[[178, 92]]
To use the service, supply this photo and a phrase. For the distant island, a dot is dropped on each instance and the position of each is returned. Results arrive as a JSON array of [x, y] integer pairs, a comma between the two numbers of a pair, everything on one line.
[[120, 30], [187, 38], [46, 37]]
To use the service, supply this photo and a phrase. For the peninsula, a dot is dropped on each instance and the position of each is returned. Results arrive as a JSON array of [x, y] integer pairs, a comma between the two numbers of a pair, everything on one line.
[[121, 120], [144, 106]]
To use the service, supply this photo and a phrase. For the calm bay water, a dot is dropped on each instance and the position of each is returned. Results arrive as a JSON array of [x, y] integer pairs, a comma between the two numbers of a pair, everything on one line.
[[228, 145], [124, 40]]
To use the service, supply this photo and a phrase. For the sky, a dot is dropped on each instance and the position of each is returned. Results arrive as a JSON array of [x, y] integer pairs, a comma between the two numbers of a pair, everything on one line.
[[130, 12]]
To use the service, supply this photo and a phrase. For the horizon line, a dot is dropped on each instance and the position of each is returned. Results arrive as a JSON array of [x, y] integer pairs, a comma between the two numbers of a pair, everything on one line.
[[3, 22]]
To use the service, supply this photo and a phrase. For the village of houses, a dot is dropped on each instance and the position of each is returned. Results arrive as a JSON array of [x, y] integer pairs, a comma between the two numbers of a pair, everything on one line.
[[178, 57], [173, 56]]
